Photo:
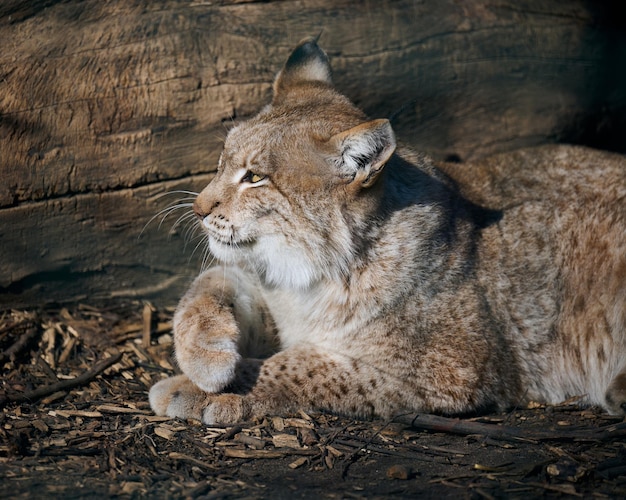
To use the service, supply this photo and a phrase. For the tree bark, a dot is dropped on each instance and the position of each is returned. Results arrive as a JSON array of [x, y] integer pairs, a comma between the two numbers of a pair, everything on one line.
[[106, 105]]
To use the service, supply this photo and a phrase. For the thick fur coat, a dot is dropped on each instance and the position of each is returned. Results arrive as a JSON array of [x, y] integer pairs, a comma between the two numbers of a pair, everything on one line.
[[359, 279]]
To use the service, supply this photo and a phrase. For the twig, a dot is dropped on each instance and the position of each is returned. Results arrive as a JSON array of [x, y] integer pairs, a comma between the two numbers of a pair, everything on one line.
[[148, 323], [230, 433], [355, 455], [63, 385], [506, 433], [14, 326], [413, 453], [20, 343]]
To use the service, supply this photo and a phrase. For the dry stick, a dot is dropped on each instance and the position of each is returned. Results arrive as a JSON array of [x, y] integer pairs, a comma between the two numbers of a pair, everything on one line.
[[20, 343], [147, 325], [63, 385], [14, 326], [506, 433], [355, 455]]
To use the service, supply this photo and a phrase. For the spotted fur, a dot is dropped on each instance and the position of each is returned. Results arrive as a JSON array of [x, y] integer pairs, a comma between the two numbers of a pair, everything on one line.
[[358, 279]]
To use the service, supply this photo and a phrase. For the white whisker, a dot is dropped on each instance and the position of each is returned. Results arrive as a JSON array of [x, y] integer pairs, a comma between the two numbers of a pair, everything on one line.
[[183, 203], [190, 238], [200, 237], [186, 224], [207, 259], [190, 230], [182, 218], [178, 191]]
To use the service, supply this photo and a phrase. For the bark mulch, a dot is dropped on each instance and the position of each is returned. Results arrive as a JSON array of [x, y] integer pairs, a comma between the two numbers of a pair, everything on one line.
[[75, 423]]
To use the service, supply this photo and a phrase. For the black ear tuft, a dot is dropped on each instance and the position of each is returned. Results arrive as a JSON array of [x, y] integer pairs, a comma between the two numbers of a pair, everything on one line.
[[307, 63], [306, 52]]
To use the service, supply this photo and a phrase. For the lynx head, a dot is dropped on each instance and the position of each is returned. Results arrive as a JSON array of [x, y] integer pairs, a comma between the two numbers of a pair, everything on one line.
[[296, 184]]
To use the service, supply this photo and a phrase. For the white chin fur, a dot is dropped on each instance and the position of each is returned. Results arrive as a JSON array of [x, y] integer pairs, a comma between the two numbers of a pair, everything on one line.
[[224, 253], [284, 266], [279, 264]]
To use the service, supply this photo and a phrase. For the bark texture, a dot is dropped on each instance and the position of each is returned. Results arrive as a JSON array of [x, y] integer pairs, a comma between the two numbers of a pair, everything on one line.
[[106, 105]]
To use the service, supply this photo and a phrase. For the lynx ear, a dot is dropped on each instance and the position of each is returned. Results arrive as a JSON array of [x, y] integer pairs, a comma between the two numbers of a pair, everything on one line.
[[307, 63], [362, 151]]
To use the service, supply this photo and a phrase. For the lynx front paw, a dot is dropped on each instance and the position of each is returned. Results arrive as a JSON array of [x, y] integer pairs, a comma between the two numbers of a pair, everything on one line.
[[616, 395], [212, 367], [178, 397], [224, 409]]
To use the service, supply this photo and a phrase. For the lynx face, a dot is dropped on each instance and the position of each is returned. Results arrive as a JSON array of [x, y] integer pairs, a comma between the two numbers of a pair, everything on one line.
[[285, 179]]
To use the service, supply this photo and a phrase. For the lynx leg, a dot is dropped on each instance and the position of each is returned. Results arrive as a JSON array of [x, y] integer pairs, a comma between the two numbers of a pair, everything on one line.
[[218, 318], [303, 378], [205, 339], [300, 378], [291, 379], [616, 394]]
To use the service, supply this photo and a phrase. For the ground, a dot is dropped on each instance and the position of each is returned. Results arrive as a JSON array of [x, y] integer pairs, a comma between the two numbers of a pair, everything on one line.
[[75, 422]]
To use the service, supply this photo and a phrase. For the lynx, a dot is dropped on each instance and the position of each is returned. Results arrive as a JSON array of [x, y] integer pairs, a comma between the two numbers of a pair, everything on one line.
[[370, 281]]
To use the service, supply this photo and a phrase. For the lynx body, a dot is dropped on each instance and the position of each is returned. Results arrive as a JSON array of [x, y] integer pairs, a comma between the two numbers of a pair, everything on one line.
[[362, 280]]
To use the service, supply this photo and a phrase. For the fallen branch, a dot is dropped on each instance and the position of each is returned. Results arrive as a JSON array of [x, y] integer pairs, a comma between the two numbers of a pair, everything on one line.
[[63, 385], [436, 423]]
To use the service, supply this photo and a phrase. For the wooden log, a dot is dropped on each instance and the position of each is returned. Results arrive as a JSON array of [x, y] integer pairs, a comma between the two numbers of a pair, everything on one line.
[[97, 245], [105, 104]]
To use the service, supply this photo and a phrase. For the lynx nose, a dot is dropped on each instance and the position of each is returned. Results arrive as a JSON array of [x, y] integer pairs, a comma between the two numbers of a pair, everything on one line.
[[198, 211], [202, 212]]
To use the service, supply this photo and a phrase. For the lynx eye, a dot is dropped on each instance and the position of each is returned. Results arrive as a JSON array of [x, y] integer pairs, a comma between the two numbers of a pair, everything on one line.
[[252, 178]]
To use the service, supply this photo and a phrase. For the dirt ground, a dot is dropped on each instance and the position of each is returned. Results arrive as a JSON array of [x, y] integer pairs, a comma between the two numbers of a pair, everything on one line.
[[75, 423]]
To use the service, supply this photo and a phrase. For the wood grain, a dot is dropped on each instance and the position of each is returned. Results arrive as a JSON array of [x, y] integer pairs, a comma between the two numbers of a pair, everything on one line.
[[102, 103]]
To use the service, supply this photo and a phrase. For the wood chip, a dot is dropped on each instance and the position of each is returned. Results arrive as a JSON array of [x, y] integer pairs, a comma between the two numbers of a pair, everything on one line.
[[192, 460], [67, 349], [53, 397], [156, 418], [278, 423], [401, 472], [165, 339], [148, 315], [566, 469], [48, 340], [286, 441], [298, 422], [308, 437], [131, 487], [142, 355], [164, 363], [247, 453], [164, 432], [533, 405], [488, 468], [251, 441], [75, 413], [60, 442], [40, 425], [305, 416], [122, 409], [334, 451], [299, 462]]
